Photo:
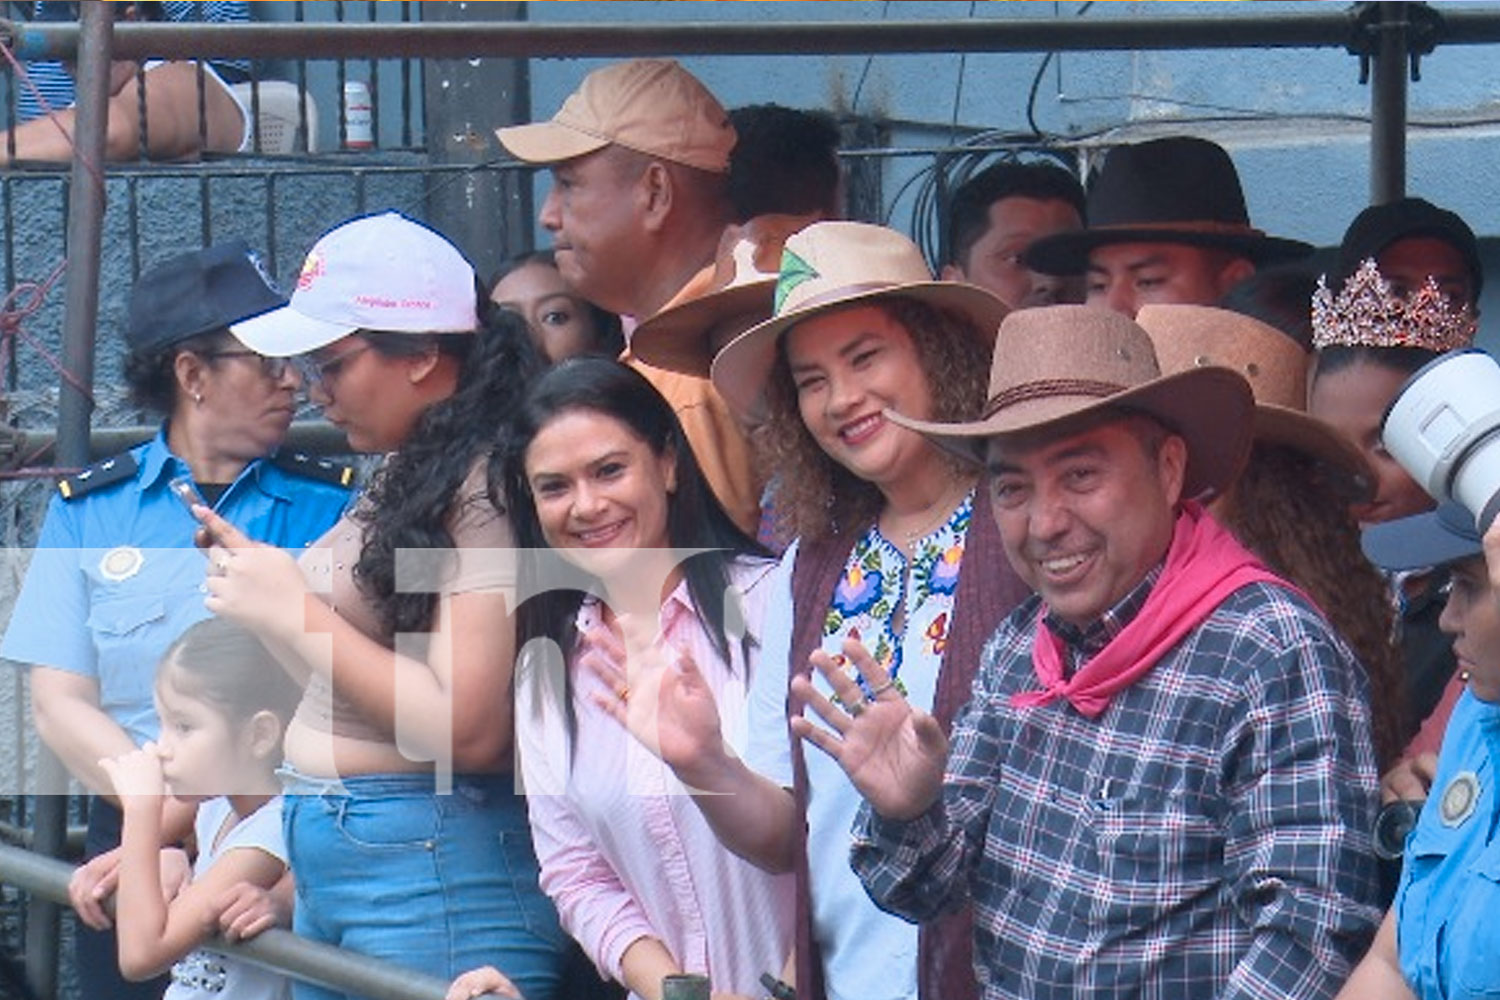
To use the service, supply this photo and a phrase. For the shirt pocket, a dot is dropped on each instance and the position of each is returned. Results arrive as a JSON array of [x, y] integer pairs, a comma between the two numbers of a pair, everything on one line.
[[1417, 924], [122, 628], [1155, 855], [121, 619], [1471, 936]]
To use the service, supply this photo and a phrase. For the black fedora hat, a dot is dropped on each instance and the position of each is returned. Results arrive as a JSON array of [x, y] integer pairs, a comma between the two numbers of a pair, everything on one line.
[[1180, 189]]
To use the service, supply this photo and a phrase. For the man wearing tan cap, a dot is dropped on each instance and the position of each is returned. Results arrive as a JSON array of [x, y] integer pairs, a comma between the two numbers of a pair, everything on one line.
[[1162, 785], [640, 197]]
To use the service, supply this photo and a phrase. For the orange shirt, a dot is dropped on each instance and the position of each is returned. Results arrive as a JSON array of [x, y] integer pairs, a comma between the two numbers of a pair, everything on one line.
[[718, 442]]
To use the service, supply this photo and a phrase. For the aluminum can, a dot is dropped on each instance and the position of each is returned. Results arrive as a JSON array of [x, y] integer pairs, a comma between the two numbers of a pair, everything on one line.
[[359, 130]]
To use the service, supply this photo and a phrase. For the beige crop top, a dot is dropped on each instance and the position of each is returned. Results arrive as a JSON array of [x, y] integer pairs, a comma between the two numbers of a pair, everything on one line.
[[483, 561]]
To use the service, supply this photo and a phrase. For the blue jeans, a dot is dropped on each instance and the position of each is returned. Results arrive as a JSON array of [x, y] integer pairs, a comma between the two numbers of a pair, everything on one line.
[[436, 883]]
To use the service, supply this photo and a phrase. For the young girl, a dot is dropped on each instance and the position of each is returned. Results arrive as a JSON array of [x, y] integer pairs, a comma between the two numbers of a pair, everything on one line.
[[223, 702]]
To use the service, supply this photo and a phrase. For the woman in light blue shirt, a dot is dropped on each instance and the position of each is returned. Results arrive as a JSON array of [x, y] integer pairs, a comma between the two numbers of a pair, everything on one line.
[[1441, 939]]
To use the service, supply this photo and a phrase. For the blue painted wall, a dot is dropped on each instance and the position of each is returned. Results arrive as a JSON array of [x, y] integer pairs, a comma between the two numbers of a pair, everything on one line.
[[1296, 121]]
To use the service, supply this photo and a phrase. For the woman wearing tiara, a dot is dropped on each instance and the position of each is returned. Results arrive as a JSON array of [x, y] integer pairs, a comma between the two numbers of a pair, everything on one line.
[[1368, 338]]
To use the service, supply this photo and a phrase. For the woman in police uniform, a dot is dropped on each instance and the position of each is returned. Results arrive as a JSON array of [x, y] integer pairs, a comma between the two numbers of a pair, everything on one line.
[[115, 577], [1440, 938]]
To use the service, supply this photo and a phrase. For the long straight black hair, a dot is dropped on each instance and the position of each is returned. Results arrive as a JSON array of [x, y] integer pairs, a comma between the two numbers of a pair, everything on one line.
[[695, 519]]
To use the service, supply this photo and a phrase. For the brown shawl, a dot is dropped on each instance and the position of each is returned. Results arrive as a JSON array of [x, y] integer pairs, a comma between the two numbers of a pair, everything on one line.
[[987, 591]]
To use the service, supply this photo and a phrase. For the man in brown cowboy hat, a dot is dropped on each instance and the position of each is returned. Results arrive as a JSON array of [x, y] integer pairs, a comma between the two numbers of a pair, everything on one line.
[[1167, 223], [640, 197], [1163, 780]]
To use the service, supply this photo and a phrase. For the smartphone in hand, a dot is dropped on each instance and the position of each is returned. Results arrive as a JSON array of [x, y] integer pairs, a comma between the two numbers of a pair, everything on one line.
[[184, 489]]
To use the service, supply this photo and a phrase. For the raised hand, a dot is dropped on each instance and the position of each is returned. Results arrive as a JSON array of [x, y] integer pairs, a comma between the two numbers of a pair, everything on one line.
[[259, 586], [137, 774], [657, 693], [892, 752]]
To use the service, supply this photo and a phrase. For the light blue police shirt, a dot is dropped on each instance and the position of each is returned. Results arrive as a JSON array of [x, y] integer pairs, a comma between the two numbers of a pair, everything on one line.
[[115, 576], [1447, 930]]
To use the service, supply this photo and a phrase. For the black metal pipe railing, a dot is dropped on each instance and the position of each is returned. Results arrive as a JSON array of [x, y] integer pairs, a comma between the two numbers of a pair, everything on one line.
[[37, 447], [1390, 57], [75, 404], [530, 39], [388, 40], [310, 961]]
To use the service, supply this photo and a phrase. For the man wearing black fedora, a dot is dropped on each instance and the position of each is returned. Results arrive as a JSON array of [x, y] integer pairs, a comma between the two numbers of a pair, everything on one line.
[[1162, 783], [1167, 225]]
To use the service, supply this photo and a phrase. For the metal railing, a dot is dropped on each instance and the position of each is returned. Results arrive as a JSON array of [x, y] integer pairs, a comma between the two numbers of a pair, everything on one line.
[[1387, 39], [275, 949]]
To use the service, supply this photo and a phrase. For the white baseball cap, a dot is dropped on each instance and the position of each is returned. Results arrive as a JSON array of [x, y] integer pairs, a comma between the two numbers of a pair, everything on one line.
[[378, 273]]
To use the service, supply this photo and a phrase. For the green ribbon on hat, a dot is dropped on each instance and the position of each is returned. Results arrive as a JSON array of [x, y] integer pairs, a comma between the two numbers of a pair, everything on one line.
[[794, 271]]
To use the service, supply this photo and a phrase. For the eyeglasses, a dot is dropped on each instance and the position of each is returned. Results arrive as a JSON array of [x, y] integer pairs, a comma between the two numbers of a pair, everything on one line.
[[271, 368], [321, 373]]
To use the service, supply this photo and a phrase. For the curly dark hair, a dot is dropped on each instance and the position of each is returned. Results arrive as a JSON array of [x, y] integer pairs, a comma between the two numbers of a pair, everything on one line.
[[695, 519], [411, 499], [815, 497], [151, 374], [1289, 509]]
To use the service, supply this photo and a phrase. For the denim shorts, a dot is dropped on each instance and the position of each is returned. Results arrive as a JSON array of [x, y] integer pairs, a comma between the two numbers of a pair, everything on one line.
[[437, 883]]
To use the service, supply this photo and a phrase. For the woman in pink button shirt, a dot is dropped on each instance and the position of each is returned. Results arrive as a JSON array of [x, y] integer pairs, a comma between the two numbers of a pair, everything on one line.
[[604, 489]]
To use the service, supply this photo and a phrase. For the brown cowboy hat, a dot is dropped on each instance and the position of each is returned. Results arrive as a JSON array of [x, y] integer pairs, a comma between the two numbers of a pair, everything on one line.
[[1179, 189], [1188, 337], [1056, 366], [736, 295], [830, 265]]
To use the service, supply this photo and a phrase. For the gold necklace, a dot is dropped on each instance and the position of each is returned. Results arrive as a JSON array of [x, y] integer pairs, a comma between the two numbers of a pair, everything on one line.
[[945, 506]]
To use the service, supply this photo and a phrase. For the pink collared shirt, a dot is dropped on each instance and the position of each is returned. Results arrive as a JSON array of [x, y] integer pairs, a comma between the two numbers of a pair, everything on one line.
[[624, 851]]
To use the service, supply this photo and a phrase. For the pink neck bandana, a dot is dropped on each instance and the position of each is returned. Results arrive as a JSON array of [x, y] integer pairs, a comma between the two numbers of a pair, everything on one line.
[[1204, 565]]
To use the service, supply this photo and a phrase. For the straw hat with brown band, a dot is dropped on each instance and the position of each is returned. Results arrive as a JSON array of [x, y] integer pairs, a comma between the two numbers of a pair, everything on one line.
[[1188, 337], [830, 265], [1056, 367]]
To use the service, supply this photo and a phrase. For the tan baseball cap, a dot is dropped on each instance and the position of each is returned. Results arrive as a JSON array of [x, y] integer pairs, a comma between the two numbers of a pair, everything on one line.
[[652, 106]]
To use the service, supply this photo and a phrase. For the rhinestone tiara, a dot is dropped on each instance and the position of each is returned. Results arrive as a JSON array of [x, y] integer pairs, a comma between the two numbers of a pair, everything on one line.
[[1368, 313]]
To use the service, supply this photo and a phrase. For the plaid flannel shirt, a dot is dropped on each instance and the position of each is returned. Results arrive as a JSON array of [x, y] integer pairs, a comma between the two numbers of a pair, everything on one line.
[[1206, 836]]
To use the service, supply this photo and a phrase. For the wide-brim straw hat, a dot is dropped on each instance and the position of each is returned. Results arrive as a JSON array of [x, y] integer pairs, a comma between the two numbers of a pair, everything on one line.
[[1055, 368], [736, 295], [831, 265], [1188, 337], [1179, 189]]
